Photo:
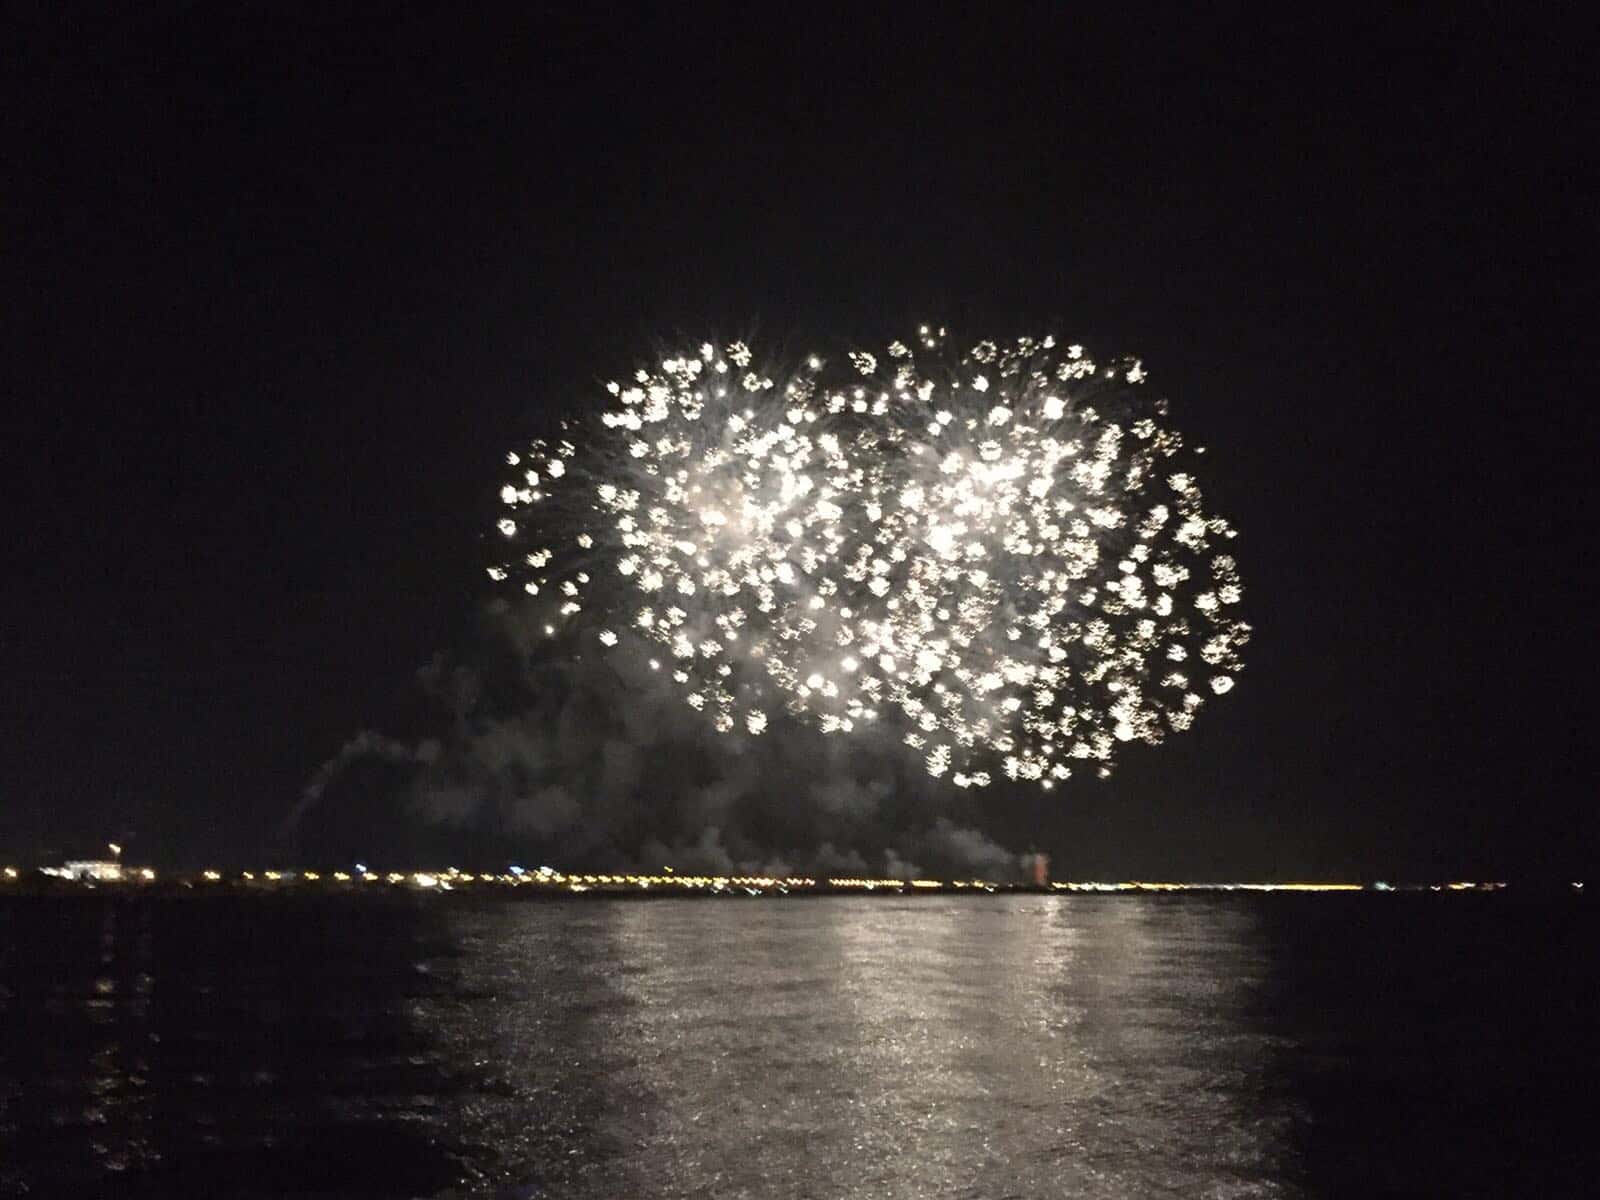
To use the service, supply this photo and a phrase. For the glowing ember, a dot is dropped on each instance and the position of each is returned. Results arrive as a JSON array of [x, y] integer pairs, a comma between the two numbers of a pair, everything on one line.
[[1000, 554]]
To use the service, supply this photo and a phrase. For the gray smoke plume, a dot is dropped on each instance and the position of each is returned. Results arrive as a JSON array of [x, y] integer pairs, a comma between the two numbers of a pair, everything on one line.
[[368, 744], [586, 757]]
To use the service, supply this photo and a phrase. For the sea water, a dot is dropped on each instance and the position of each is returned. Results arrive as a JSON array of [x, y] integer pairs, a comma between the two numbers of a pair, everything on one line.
[[975, 1046]]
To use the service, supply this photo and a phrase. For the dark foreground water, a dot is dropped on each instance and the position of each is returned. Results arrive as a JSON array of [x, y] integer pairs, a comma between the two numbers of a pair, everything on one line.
[[924, 1047]]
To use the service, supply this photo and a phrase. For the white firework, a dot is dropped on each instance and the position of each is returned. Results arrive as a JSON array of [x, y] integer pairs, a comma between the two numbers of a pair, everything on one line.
[[998, 554]]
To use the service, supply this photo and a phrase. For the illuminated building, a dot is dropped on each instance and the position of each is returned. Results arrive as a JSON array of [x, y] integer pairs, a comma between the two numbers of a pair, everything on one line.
[[90, 870], [1037, 867]]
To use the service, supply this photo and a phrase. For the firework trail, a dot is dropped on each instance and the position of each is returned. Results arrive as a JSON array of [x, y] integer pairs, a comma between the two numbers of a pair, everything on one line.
[[998, 556]]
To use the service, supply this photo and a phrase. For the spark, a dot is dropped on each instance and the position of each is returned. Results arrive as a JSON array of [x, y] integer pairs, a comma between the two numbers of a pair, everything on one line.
[[1006, 547]]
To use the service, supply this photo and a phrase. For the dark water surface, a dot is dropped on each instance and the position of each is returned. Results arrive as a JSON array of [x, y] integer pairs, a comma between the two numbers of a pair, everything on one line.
[[1116, 1046]]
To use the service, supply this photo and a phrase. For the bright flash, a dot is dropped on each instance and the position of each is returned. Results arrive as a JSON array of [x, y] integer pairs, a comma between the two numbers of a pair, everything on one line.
[[1004, 546]]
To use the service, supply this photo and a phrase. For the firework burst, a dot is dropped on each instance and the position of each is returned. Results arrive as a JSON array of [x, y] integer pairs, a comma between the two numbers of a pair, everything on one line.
[[1000, 555]]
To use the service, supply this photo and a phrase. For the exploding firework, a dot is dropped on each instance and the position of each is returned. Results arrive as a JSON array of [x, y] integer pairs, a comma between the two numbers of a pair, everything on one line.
[[999, 554]]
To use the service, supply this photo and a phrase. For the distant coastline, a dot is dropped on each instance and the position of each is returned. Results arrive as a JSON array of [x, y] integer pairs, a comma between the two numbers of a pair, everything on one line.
[[548, 883]]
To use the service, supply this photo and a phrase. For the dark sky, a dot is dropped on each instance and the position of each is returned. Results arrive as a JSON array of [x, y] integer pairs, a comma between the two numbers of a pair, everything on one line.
[[280, 292]]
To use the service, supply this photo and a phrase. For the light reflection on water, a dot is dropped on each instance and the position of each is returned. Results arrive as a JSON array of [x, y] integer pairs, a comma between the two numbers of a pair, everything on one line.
[[931, 1047], [993, 1047], [983, 1048]]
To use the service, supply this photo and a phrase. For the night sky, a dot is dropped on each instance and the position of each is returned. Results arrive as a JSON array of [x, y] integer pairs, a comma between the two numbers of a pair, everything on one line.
[[280, 293]]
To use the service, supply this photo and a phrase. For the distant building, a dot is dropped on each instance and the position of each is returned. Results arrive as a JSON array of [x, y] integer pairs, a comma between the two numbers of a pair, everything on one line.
[[97, 871], [1036, 869]]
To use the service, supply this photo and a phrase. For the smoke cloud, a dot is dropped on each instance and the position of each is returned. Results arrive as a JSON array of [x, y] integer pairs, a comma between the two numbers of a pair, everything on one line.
[[584, 756]]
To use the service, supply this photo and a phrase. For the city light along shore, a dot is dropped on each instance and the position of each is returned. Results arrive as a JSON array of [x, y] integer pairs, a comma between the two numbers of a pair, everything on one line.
[[78, 877]]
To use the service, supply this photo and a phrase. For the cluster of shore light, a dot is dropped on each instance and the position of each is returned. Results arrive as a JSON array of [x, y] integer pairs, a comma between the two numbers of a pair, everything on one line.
[[548, 879]]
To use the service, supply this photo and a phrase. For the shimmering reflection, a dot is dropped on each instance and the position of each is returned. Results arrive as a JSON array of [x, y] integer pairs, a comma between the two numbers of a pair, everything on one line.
[[171, 1048], [87, 1093], [982, 1047], [537, 1015], [1030, 1047]]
